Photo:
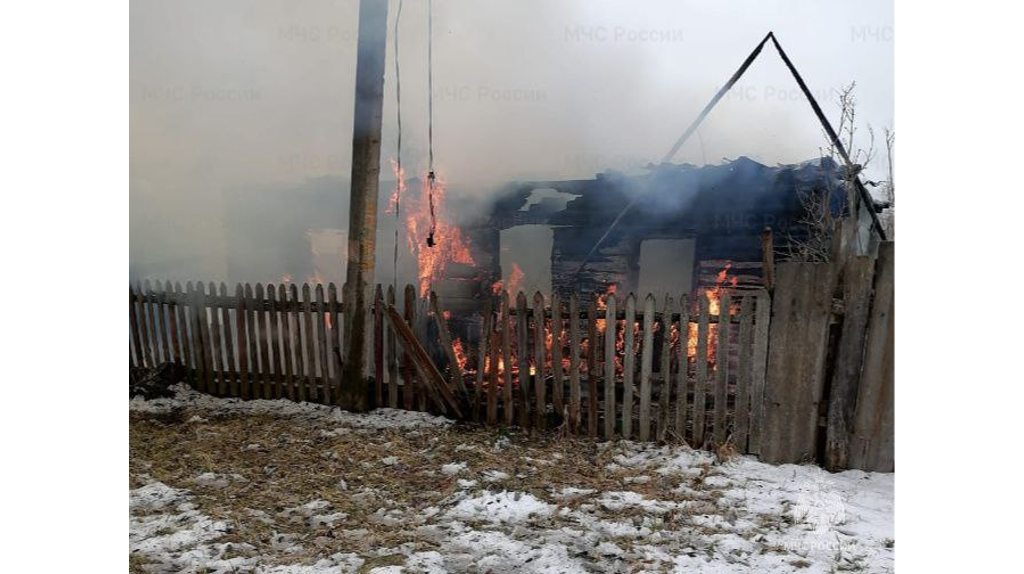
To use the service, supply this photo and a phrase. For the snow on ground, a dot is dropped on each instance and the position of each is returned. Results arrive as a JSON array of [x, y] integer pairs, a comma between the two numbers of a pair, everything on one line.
[[278, 487]]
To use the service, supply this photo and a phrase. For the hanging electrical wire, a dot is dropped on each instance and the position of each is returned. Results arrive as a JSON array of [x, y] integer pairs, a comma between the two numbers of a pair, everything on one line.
[[398, 155], [431, 176]]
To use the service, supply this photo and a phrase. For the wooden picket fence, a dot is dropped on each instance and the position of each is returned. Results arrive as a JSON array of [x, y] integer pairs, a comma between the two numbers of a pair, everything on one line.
[[630, 370], [273, 342]]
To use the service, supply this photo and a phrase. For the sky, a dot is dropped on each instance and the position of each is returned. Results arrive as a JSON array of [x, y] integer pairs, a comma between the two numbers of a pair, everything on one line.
[[240, 95]]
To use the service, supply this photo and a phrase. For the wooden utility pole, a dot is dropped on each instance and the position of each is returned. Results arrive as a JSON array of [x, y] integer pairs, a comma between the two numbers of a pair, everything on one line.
[[362, 217]]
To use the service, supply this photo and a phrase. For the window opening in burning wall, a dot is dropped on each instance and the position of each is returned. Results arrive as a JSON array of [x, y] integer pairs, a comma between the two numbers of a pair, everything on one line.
[[666, 266], [525, 257]]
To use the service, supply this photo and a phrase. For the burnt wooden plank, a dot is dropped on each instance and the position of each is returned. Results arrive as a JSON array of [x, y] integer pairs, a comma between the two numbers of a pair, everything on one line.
[[244, 371], [858, 276], [419, 328], [610, 337], [628, 366], [758, 366], [309, 343], [506, 359], [286, 335], [801, 309], [722, 369], [320, 326], [646, 361], [523, 360], [871, 446], [434, 384], [557, 344], [665, 368], [540, 408], [408, 371], [392, 356], [701, 372], [741, 424], [683, 368], [574, 364]]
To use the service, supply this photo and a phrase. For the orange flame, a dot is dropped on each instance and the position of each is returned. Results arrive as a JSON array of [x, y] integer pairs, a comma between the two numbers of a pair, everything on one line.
[[450, 245]]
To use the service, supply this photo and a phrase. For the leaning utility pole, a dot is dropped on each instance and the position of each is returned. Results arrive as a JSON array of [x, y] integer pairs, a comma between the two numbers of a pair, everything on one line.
[[362, 215]]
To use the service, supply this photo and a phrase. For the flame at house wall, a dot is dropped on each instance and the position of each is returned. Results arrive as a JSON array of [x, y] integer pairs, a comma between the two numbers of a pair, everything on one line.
[[450, 246]]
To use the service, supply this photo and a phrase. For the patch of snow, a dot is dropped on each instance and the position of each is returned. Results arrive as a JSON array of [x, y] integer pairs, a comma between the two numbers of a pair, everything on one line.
[[502, 507], [453, 468], [380, 419]]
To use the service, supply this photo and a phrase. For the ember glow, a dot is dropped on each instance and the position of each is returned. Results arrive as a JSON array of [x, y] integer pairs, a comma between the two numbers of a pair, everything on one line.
[[460, 353], [515, 281]]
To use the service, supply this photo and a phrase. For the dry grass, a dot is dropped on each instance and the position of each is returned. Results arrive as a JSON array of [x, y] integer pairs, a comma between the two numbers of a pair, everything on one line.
[[298, 460]]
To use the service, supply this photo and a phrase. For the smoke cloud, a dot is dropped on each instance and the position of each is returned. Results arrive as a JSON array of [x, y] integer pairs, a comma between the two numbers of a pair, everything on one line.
[[241, 111]]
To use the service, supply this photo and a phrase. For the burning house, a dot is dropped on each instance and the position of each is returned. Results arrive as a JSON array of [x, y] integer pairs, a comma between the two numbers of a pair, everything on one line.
[[704, 224]]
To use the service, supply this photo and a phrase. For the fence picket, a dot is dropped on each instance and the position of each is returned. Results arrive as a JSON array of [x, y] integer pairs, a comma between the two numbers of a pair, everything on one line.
[[646, 360], [202, 316], [262, 335], [665, 368], [275, 345], [722, 369], [482, 361], [335, 338], [392, 356], [628, 366], [592, 373], [180, 310], [378, 345], [741, 420], [228, 373], [287, 337], [540, 380], [683, 367], [160, 308], [610, 333], [506, 359], [557, 344], [701, 368], [320, 322], [255, 367], [759, 361], [133, 325], [295, 341], [408, 372], [147, 350], [574, 364], [172, 322], [244, 372], [494, 344], [523, 358], [310, 343], [215, 343]]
